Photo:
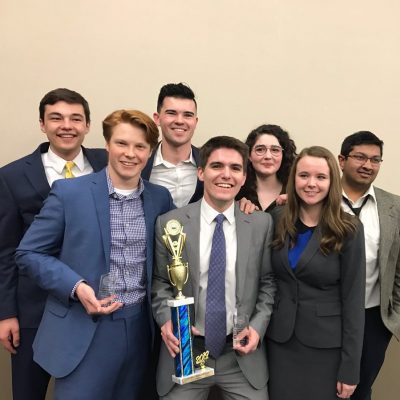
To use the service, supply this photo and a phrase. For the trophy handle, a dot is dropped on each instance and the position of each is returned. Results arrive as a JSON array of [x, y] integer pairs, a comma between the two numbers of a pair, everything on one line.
[[169, 276], [187, 273]]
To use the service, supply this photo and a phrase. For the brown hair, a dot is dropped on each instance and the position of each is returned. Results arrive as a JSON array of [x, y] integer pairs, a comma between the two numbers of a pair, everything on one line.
[[335, 224], [135, 118]]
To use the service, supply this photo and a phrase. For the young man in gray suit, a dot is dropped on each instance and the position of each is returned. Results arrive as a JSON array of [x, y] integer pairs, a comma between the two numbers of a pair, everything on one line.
[[360, 160], [242, 279]]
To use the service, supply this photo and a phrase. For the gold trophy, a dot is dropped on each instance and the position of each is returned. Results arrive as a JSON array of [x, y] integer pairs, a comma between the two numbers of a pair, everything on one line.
[[178, 274]]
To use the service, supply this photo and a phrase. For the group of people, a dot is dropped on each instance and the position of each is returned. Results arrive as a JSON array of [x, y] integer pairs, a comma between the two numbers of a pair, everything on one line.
[[318, 276]]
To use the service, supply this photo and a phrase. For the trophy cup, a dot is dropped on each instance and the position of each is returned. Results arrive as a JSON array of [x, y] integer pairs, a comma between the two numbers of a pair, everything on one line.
[[178, 273]]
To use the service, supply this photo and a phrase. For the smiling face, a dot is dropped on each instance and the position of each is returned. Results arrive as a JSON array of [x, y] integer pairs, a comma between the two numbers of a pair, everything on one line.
[[312, 181], [177, 119], [268, 163], [128, 152], [223, 176], [65, 126], [360, 175]]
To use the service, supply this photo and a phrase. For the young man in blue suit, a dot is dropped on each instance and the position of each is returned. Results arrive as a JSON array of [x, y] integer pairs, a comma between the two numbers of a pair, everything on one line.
[[174, 161], [360, 160], [24, 185], [92, 226]]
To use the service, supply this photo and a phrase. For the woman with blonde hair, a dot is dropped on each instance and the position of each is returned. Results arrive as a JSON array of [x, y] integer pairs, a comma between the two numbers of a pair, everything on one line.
[[316, 330]]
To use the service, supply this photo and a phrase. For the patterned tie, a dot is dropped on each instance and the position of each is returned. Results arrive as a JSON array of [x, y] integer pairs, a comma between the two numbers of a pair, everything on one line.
[[68, 169], [215, 324]]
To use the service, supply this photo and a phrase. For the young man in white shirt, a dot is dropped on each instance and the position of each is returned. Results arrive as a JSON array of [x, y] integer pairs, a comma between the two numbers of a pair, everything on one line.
[[360, 160]]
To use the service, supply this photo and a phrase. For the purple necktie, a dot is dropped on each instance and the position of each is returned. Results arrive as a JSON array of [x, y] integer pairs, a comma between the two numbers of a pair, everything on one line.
[[215, 324]]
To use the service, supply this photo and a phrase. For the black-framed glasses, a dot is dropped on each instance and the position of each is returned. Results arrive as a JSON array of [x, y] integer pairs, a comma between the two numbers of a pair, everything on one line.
[[261, 149], [363, 158]]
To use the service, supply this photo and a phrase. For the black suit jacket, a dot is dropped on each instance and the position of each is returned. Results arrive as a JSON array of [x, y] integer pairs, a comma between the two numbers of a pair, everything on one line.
[[23, 188], [198, 193], [322, 300]]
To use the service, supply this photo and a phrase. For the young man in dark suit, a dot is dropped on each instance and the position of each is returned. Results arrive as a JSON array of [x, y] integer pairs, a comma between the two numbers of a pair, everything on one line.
[[64, 118], [360, 160]]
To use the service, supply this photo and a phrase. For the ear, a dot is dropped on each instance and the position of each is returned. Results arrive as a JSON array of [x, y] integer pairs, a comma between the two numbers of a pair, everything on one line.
[[107, 147], [87, 128], [341, 160], [200, 174], [156, 117], [42, 128]]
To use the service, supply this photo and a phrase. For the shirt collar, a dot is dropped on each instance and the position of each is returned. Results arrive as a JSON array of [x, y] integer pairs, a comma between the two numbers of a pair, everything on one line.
[[210, 213], [370, 192], [58, 163], [112, 193], [158, 159]]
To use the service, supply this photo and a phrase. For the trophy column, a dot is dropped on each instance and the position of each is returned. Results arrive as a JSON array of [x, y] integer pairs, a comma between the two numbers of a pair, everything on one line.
[[178, 273]]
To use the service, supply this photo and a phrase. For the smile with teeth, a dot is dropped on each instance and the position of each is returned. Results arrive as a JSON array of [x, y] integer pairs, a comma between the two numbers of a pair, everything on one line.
[[224, 185], [128, 163], [66, 135]]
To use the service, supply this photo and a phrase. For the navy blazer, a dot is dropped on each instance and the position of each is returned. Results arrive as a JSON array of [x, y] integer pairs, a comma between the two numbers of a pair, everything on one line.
[[322, 300], [23, 188], [69, 241], [198, 193]]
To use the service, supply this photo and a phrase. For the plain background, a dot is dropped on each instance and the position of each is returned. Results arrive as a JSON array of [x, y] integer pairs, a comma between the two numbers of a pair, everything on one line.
[[322, 70]]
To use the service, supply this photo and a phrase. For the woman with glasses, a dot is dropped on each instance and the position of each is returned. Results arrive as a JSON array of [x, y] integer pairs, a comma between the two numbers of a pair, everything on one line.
[[315, 335], [271, 153]]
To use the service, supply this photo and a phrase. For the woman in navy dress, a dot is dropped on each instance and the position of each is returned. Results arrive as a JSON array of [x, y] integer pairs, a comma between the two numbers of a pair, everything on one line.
[[316, 330]]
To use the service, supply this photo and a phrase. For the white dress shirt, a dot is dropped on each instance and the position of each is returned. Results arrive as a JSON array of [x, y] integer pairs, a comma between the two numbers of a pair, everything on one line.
[[180, 179], [370, 219], [54, 166], [207, 227]]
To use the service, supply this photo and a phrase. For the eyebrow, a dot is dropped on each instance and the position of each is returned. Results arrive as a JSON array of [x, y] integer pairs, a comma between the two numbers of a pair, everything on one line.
[[191, 113], [57, 114]]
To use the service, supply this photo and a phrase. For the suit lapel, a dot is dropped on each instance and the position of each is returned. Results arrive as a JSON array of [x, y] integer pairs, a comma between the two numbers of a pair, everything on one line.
[[35, 172], [191, 251], [310, 250], [387, 226], [149, 217], [244, 236], [101, 200], [284, 255]]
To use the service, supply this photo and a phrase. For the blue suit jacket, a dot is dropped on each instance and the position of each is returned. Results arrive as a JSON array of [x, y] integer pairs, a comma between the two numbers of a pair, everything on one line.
[[69, 241], [23, 188], [198, 193]]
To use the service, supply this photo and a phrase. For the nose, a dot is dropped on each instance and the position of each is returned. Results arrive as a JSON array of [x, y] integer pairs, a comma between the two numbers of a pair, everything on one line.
[[268, 153], [179, 118], [311, 181], [66, 123], [367, 164], [130, 152], [226, 172]]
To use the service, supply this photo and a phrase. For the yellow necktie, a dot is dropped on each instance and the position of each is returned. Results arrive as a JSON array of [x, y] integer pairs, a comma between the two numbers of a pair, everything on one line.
[[68, 169]]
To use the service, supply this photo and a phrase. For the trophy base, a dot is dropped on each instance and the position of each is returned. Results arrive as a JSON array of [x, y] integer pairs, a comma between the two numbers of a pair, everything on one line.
[[180, 302], [199, 373]]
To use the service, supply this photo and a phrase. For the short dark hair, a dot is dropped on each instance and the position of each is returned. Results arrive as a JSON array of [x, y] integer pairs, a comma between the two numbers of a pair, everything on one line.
[[223, 142], [134, 118], [67, 95], [178, 90], [287, 144], [358, 138]]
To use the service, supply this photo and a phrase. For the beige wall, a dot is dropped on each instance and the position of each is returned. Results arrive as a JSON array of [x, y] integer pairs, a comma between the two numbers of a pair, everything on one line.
[[320, 69]]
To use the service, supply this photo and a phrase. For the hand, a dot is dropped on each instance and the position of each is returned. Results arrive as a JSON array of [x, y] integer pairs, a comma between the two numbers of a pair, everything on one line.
[[92, 305], [170, 340], [247, 206], [344, 391], [253, 339], [9, 334], [281, 200]]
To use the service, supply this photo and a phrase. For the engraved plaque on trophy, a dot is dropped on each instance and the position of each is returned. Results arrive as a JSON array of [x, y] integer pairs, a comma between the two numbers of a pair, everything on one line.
[[178, 273]]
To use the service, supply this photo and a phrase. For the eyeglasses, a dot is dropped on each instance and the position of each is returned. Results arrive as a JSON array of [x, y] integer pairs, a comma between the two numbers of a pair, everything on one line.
[[275, 150], [362, 159]]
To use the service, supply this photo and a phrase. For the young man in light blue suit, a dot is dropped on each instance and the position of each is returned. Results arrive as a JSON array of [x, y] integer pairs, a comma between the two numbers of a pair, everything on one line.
[[88, 227]]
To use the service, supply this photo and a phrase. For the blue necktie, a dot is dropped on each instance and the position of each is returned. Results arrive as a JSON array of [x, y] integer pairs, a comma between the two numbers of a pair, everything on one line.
[[215, 324]]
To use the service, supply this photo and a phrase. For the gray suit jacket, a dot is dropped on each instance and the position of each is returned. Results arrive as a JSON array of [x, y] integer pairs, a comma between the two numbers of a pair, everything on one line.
[[255, 286], [389, 259]]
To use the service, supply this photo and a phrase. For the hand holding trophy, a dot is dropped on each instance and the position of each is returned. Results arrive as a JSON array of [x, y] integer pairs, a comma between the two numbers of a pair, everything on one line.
[[178, 273]]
